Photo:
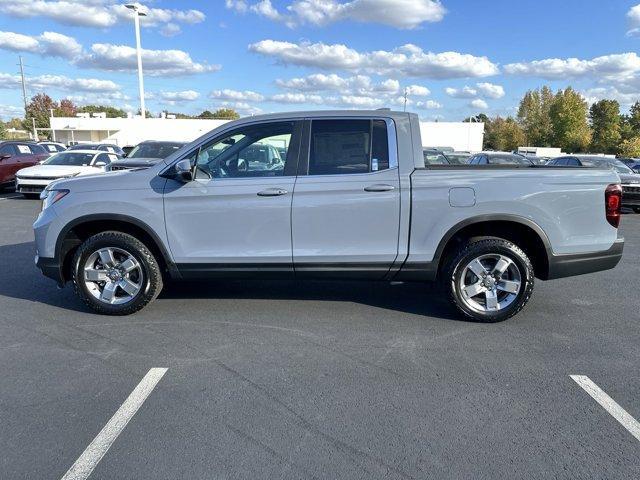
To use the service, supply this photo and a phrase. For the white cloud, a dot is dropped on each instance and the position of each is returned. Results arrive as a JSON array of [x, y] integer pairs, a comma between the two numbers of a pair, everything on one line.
[[95, 13], [625, 98], [48, 44], [122, 58], [170, 30], [418, 91], [243, 108], [403, 14], [482, 89], [7, 112], [606, 66], [237, 96], [479, 103], [296, 98], [60, 82], [429, 105], [633, 16], [408, 60], [490, 90], [465, 92], [182, 96]]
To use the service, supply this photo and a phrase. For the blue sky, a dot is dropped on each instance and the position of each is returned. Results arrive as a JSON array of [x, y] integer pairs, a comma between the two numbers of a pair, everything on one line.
[[454, 57]]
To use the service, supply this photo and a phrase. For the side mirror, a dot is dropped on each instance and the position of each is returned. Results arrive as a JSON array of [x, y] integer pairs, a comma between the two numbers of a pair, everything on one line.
[[183, 171], [4, 156], [100, 164]]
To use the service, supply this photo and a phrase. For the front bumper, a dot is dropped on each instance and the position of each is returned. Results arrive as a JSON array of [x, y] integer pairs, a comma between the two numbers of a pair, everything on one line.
[[51, 268], [577, 264], [32, 185]]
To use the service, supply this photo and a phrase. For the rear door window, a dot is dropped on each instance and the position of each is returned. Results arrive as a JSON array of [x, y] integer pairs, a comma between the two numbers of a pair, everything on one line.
[[352, 146], [7, 150]]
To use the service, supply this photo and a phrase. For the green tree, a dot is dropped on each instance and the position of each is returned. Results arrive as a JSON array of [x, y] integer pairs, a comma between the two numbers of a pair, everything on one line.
[[630, 148], [605, 122], [3, 130], [634, 118], [626, 130], [534, 117], [111, 112], [568, 114], [226, 114], [480, 118], [503, 134], [207, 115]]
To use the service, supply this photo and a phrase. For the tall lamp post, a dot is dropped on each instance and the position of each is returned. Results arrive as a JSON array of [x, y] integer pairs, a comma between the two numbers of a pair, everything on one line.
[[136, 19]]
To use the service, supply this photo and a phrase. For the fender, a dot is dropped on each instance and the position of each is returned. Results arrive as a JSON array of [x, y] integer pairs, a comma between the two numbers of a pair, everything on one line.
[[429, 270]]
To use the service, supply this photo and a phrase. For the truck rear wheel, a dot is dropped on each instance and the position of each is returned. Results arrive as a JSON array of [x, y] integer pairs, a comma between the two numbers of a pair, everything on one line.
[[489, 279], [116, 274]]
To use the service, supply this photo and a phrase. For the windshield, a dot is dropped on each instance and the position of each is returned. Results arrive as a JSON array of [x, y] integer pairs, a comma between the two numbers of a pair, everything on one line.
[[616, 165], [154, 150], [70, 158], [84, 146]]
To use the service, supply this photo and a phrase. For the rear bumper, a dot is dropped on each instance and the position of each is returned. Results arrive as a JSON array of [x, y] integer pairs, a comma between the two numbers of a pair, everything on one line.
[[569, 265]]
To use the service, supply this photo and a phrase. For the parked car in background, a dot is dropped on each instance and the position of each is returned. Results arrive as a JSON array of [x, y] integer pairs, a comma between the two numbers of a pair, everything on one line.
[[71, 163], [17, 154], [433, 156], [53, 147], [632, 163], [458, 158], [104, 147], [630, 179], [352, 199], [500, 158], [146, 154]]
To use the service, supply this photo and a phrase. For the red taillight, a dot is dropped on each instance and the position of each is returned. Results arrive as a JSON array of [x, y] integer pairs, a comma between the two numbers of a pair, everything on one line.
[[613, 203]]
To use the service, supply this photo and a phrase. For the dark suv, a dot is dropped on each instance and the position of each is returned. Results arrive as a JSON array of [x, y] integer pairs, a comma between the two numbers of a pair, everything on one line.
[[16, 154]]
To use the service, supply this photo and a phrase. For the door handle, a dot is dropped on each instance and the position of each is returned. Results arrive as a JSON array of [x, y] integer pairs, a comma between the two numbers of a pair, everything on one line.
[[379, 187], [272, 192]]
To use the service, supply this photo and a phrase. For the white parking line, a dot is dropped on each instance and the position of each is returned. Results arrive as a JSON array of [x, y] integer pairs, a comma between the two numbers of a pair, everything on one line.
[[9, 197], [85, 464], [609, 404]]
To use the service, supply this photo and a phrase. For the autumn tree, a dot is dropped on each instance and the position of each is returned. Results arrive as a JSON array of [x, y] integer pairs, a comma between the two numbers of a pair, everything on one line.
[[39, 108], [605, 123], [503, 134], [634, 118], [66, 108], [568, 115], [630, 148], [534, 117]]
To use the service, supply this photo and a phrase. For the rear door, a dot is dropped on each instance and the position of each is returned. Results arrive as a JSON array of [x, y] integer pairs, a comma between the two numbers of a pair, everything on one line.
[[236, 214], [346, 204]]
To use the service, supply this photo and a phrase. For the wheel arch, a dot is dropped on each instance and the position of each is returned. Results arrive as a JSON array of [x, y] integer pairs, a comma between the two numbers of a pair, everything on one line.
[[81, 228], [522, 231]]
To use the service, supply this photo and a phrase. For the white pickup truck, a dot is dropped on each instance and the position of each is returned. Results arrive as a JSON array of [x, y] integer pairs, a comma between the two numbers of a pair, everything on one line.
[[327, 195]]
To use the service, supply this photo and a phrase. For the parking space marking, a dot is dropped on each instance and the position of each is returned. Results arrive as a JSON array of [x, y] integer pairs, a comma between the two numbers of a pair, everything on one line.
[[92, 455], [609, 404], [10, 197]]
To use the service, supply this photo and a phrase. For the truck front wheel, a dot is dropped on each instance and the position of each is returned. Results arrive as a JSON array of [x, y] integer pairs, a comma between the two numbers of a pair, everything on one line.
[[116, 274], [489, 279]]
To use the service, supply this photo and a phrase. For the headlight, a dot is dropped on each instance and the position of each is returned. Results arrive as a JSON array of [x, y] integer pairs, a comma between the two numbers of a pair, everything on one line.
[[49, 197]]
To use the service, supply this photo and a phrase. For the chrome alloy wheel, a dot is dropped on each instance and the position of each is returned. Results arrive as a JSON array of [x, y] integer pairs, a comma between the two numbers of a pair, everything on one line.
[[490, 283], [112, 275]]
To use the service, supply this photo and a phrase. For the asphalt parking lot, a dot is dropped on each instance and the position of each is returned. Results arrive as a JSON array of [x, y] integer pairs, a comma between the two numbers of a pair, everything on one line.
[[316, 380]]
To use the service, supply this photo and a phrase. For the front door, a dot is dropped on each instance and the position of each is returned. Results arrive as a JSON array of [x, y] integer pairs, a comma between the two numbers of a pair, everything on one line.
[[236, 214], [346, 204]]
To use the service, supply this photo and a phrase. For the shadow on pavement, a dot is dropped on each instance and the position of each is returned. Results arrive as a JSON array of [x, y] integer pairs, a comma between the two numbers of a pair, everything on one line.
[[23, 280]]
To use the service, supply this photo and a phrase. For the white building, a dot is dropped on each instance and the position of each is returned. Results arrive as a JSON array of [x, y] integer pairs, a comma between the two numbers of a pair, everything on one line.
[[131, 131], [128, 131]]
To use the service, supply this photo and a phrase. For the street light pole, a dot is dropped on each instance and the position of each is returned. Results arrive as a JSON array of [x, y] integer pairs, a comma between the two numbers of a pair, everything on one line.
[[136, 19]]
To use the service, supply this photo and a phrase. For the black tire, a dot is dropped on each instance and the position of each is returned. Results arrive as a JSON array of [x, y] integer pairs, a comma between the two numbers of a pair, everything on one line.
[[31, 196], [151, 273], [636, 209], [455, 266]]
